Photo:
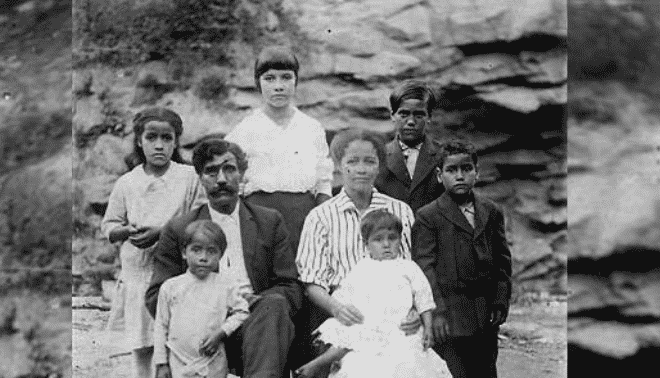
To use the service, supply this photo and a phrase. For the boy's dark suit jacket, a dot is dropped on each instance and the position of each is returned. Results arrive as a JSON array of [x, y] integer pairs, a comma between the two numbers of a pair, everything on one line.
[[445, 246], [395, 181], [269, 260]]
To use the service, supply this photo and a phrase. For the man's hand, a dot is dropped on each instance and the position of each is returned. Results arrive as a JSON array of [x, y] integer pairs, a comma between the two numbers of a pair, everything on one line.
[[347, 315], [440, 328], [411, 323], [497, 317], [210, 344], [145, 237], [163, 371]]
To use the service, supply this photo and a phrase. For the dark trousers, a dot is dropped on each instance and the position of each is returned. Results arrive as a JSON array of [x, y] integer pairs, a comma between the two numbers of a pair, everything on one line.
[[260, 347], [294, 208], [471, 356]]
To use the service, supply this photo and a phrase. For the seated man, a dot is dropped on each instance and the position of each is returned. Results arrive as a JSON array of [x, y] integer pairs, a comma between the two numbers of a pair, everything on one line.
[[258, 256]]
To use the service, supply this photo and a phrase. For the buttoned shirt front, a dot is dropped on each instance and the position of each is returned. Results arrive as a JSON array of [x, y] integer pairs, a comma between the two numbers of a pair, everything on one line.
[[410, 154], [233, 260]]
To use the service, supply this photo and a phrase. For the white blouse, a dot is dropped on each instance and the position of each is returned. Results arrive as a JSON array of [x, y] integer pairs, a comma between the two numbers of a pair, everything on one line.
[[294, 158]]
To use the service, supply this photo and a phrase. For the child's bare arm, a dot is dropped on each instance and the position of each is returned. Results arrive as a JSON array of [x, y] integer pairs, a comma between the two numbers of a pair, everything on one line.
[[427, 322]]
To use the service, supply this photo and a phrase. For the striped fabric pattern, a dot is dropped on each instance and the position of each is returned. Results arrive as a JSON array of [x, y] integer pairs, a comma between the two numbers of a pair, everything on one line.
[[331, 244]]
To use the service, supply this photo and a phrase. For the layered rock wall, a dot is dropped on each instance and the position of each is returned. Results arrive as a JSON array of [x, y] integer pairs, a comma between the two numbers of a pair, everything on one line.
[[500, 66], [614, 201]]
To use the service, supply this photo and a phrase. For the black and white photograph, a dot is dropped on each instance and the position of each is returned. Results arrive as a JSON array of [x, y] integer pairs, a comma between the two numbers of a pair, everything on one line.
[[296, 188]]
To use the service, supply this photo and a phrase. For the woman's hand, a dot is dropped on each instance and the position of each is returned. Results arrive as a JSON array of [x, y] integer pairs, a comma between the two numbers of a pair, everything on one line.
[[145, 237], [163, 371], [410, 325], [347, 314]]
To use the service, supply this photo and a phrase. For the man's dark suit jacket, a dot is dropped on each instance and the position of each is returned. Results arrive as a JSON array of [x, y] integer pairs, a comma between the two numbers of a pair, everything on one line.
[[395, 181], [269, 260], [446, 247]]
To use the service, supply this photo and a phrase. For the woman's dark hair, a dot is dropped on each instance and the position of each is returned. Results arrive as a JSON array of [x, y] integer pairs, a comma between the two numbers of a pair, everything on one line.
[[341, 141], [275, 58], [209, 147], [413, 90], [456, 147], [140, 120], [380, 219], [207, 228]]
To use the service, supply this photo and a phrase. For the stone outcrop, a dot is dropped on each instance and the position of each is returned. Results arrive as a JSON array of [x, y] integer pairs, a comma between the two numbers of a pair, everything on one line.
[[614, 201], [501, 67]]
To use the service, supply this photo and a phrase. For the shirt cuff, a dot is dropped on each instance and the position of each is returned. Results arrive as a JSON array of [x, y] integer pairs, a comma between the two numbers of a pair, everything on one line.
[[323, 187]]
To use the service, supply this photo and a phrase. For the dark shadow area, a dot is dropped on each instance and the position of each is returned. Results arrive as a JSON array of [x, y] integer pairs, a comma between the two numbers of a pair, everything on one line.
[[584, 363]]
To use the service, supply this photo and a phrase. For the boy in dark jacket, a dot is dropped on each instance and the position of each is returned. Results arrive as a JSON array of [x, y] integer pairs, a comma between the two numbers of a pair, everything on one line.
[[459, 242]]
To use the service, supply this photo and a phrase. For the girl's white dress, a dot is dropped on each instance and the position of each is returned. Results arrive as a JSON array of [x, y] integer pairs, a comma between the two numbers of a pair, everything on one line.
[[384, 292], [144, 200], [188, 309]]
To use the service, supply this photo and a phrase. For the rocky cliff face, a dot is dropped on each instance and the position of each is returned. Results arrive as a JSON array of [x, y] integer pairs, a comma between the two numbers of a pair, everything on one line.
[[501, 67], [614, 202], [35, 188]]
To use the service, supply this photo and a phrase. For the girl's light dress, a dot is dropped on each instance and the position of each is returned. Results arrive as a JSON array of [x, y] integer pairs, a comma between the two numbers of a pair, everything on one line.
[[144, 200], [188, 309], [384, 292]]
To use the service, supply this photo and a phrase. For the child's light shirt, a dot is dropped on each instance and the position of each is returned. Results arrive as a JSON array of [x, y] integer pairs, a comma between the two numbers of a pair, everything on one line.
[[384, 292], [188, 309], [293, 159]]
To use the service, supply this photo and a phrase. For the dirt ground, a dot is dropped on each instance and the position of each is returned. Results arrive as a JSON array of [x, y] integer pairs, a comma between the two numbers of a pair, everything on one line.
[[532, 342]]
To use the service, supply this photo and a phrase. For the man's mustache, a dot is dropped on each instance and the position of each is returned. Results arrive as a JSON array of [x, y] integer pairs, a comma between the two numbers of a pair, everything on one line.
[[223, 188]]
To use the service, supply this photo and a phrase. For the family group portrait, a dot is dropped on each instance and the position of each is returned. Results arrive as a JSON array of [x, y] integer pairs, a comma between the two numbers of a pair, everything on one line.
[[296, 188], [320, 189]]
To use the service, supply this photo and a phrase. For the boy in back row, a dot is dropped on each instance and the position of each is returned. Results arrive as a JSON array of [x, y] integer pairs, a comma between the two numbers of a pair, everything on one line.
[[459, 242]]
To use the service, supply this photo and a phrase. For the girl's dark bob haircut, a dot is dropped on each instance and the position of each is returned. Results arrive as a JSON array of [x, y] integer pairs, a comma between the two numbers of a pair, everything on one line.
[[275, 58]]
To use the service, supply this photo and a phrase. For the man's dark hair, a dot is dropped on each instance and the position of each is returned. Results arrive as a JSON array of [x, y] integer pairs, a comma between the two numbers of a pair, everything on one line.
[[207, 148], [413, 90]]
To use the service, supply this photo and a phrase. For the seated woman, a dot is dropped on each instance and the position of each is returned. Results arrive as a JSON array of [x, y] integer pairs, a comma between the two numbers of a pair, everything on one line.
[[384, 287], [331, 244]]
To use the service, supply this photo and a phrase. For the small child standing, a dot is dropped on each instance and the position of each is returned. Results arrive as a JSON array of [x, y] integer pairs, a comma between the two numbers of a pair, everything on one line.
[[459, 242], [383, 288], [158, 187], [191, 317]]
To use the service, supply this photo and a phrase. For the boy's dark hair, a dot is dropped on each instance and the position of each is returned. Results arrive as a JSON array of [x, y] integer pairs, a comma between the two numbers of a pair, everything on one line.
[[275, 58], [207, 228], [207, 148], [139, 122], [341, 141], [380, 219], [413, 90], [456, 147]]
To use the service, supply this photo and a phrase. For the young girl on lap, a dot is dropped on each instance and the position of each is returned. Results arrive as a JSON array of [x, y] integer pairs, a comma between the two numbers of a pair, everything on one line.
[[383, 288]]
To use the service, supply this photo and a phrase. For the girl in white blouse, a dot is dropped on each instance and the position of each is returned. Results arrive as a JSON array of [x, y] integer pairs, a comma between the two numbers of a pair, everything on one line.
[[141, 202], [289, 165]]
